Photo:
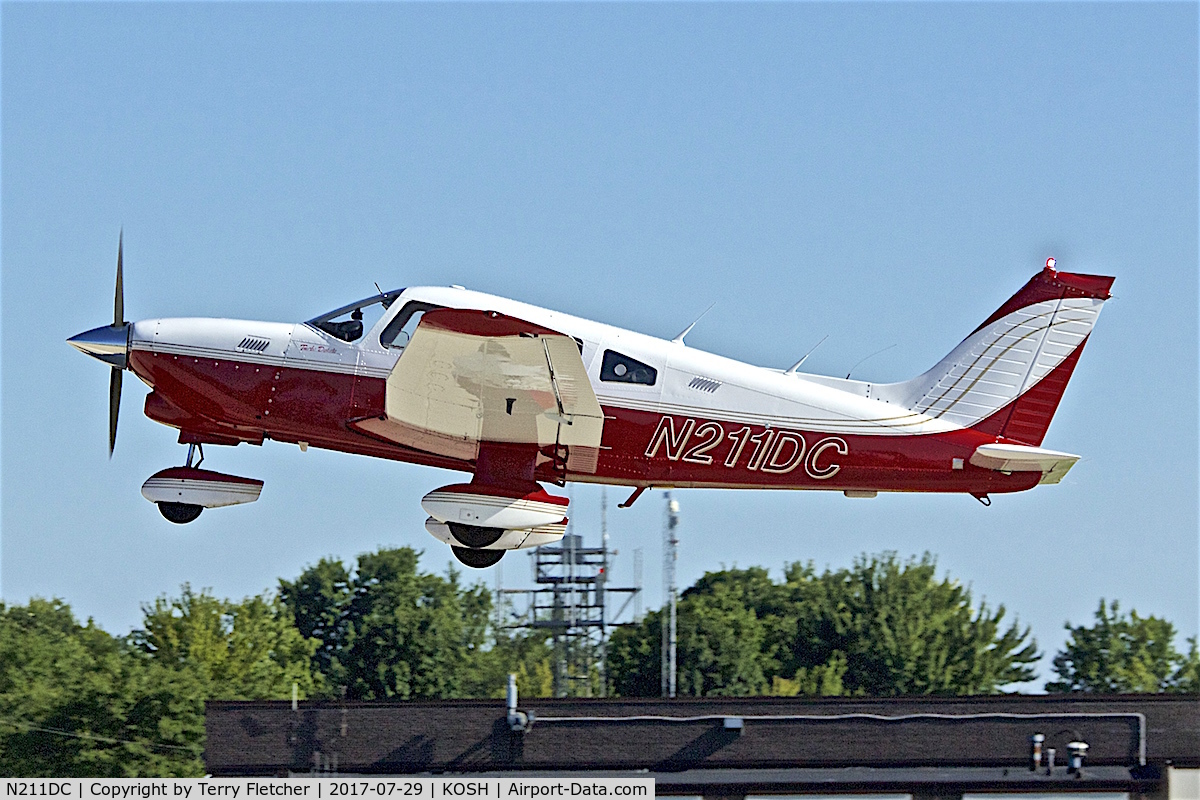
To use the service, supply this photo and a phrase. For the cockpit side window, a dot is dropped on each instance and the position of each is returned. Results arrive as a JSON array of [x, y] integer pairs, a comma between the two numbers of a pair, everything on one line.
[[347, 323], [399, 331], [347, 330], [623, 369]]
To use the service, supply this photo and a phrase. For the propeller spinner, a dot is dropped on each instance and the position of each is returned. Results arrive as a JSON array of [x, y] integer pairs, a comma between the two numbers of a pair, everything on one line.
[[110, 344]]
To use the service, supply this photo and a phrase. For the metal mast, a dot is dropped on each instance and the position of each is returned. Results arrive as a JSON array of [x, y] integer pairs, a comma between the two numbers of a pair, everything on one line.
[[637, 581], [670, 556], [569, 602]]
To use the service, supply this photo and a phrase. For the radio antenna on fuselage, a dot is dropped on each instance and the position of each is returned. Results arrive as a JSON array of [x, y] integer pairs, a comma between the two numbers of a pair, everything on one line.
[[792, 369], [679, 339], [383, 298], [864, 358]]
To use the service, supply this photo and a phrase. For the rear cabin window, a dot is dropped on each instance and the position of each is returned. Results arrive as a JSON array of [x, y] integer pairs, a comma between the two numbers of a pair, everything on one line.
[[623, 369]]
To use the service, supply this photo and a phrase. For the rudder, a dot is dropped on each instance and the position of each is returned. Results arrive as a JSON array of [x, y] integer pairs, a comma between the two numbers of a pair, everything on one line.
[[1008, 376]]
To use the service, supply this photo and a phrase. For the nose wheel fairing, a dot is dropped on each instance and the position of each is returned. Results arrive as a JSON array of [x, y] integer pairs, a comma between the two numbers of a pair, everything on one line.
[[181, 493], [200, 487]]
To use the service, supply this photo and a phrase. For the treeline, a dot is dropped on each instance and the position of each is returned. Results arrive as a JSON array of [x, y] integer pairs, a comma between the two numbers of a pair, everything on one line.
[[882, 627], [77, 701]]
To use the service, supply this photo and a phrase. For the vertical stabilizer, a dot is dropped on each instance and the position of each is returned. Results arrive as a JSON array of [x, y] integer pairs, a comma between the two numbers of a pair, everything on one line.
[[1009, 375]]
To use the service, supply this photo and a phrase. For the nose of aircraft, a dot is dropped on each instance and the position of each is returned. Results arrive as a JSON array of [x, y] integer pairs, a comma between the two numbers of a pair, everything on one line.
[[109, 343]]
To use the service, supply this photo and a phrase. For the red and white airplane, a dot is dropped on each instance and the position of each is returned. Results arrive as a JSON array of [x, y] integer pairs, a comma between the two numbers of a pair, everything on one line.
[[516, 396]]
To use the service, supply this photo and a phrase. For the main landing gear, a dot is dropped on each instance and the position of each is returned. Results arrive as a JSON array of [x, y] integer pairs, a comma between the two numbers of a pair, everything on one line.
[[475, 538], [476, 559], [501, 519]]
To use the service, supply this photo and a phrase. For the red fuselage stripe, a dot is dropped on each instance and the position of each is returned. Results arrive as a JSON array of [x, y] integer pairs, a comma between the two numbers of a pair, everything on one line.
[[226, 400]]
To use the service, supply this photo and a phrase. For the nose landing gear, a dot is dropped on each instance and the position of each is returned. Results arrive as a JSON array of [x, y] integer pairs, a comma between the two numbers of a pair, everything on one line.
[[181, 493], [183, 513], [179, 513]]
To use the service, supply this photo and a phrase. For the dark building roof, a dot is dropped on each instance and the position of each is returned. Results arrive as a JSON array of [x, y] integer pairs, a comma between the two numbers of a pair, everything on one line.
[[690, 736]]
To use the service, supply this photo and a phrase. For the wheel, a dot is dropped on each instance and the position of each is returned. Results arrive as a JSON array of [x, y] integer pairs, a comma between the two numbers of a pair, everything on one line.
[[475, 536], [180, 513], [477, 559]]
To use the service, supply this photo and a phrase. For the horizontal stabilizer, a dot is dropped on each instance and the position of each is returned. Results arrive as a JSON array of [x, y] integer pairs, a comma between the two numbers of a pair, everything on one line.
[[1019, 458]]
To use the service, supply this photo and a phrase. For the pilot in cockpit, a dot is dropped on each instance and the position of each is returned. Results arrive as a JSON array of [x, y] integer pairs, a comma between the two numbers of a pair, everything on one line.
[[362, 316], [356, 325], [348, 331]]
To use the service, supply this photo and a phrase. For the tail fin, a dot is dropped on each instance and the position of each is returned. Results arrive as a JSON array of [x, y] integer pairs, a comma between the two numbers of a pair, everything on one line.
[[1008, 376]]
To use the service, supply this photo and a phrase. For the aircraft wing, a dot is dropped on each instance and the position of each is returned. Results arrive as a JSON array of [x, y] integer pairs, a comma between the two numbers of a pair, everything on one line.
[[480, 376]]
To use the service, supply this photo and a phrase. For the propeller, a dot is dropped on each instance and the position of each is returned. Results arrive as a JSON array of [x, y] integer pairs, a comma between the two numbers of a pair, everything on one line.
[[114, 379], [110, 344]]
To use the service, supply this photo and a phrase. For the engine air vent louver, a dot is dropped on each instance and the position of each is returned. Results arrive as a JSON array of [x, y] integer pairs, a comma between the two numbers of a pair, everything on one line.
[[254, 343]]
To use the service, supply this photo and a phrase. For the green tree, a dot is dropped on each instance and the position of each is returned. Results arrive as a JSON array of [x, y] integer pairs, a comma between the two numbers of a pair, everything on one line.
[[389, 630], [633, 665], [722, 637], [822, 680], [1125, 653], [720, 643], [526, 655], [250, 650], [1187, 677], [75, 701], [319, 600], [899, 631], [880, 627]]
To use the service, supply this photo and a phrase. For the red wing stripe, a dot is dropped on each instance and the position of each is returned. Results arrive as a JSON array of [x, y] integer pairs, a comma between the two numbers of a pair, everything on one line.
[[481, 323]]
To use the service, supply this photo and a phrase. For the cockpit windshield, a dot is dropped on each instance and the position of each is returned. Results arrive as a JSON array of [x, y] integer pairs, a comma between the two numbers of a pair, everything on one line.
[[349, 322]]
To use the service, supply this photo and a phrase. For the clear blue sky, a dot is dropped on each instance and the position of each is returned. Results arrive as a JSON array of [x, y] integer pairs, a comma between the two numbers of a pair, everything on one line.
[[881, 173]]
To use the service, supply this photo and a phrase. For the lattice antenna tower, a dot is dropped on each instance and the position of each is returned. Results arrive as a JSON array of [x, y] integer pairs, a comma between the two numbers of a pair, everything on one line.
[[571, 602]]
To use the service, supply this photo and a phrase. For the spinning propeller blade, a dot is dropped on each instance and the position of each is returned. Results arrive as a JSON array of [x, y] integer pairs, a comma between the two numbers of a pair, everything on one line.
[[114, 380], [114, 407], [119, 299], [110, 344]]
